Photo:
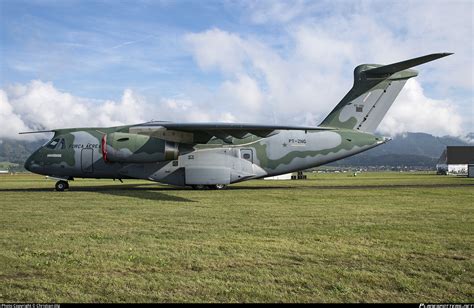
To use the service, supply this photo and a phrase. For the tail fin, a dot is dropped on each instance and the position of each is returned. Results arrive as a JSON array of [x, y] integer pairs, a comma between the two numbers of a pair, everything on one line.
[[374, 90]]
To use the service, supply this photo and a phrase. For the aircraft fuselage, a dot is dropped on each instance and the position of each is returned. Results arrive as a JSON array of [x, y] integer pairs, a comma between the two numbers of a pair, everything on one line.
[[79, 153]]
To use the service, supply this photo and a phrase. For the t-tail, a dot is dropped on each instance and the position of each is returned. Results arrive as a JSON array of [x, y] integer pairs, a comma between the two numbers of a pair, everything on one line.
[[375, 89]]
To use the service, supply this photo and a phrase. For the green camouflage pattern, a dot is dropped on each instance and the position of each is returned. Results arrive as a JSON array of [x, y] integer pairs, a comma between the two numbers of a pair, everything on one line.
[[208, 154], [281, 153]]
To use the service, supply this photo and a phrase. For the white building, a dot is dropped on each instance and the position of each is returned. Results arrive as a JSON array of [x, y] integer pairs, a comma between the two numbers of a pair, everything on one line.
[[455, 160]]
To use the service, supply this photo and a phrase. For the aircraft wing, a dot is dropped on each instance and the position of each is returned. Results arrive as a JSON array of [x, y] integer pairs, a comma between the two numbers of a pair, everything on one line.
[[203, 132]]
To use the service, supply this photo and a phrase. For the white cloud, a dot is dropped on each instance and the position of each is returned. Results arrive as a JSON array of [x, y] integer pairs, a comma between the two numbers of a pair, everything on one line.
[[39, 105], [227, 117], [414, 112], [284, 85], [292, 68], [11, 122], [244, 93], [217, 49], [178, 104], [131, 109], [271, 11], [301, 78], [180, 109]]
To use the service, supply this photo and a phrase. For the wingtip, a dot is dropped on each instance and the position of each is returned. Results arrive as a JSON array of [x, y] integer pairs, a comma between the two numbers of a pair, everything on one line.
[[444, 54], [36, 132]]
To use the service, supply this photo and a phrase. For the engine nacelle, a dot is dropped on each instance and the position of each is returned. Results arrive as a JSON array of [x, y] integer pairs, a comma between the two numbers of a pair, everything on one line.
[[134, 148]]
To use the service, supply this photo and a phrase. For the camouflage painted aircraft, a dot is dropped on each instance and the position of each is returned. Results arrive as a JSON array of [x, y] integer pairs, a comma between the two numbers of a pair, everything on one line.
[[214, 155]]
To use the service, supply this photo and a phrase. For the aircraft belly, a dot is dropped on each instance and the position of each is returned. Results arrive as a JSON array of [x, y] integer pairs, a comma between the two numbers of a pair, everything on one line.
[[206, 167], [196, 175]]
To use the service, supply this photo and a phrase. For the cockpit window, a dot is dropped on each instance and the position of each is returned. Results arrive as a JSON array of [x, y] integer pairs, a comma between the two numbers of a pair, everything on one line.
[[62, 144], [53, 144], [57, 143]]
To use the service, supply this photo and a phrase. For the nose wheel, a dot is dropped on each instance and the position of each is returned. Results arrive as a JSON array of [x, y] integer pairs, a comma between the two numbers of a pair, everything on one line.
[[61, 185]]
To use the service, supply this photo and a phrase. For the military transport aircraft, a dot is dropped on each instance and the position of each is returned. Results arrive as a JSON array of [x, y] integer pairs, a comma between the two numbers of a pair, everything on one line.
[[213, 155]]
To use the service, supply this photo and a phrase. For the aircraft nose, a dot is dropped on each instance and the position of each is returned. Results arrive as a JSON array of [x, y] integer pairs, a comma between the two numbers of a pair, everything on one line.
[[31, 163]]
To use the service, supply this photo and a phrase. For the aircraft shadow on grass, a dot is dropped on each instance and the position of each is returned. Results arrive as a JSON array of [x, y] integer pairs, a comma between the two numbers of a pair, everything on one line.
[[149, 191], [128, 190], [145, 191]]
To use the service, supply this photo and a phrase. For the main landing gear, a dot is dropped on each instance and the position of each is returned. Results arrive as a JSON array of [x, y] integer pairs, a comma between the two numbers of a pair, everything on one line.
[[61, 185], [217, 187], [211, 187]]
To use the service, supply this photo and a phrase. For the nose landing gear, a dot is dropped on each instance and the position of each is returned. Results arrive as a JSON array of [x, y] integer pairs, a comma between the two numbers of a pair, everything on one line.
[[61, 185]]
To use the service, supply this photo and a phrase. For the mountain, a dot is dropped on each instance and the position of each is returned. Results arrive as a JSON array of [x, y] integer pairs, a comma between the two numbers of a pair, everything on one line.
[[16, 151], [470, 138], [409, 149], [418, 144]]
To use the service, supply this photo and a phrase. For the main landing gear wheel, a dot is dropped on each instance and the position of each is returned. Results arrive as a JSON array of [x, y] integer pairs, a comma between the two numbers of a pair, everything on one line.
[[198, 187], [217, 187], [61, 185]]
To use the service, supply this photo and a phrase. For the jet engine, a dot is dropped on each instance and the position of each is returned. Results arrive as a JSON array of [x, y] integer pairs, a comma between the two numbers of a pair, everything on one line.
[[134, 148]]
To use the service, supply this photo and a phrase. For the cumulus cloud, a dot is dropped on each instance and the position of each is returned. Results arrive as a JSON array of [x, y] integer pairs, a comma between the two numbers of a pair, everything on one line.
[[260, 76], [301, 78], [413, 112], [11, 122], [217, 49], [307, 83], [243, 92], [40, 105], [293, 69]]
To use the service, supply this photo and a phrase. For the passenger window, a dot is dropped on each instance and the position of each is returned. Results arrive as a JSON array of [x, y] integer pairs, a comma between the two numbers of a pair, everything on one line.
[[53, 144], [246, 156]]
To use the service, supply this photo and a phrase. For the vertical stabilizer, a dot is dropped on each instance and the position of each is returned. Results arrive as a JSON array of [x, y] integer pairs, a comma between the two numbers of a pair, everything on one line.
[[374, 91]]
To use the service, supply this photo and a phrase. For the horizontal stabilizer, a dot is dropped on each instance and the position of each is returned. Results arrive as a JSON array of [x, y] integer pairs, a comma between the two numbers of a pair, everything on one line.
[[386, 70]]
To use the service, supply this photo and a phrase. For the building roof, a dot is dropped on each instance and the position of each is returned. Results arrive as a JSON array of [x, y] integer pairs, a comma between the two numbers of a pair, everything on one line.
[[457, 155]]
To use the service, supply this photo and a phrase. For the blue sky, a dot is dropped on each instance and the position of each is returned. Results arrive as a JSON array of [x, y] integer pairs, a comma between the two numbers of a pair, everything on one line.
[[247, 61], [99, 48]]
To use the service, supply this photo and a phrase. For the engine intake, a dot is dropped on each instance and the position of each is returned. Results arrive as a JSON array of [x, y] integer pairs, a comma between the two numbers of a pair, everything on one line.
[[134, 148]]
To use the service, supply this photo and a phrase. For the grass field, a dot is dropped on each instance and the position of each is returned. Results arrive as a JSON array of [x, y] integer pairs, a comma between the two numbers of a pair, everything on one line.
[[376, 237]]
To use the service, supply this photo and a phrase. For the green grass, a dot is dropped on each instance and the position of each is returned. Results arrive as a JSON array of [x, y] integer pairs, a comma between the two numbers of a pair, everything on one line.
[[376, 237]]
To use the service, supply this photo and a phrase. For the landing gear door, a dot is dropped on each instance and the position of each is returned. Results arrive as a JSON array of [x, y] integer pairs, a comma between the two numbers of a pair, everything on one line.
[[247, 154], [87, 160]]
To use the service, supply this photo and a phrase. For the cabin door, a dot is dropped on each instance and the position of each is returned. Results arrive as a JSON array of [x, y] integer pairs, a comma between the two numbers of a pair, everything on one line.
[[87, 160]]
